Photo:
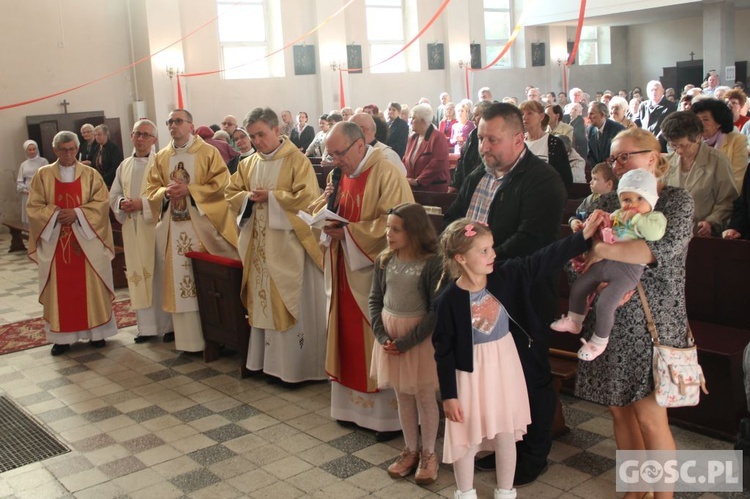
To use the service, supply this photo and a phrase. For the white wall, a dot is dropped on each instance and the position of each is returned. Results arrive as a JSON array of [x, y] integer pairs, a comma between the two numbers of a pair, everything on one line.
[[46, 51]]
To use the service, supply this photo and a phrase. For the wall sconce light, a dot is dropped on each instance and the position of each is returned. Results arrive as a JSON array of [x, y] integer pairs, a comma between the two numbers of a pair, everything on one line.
[[173, 71]]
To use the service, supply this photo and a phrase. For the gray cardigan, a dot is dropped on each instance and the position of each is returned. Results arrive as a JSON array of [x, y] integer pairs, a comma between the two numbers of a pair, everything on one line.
[[428, 281]]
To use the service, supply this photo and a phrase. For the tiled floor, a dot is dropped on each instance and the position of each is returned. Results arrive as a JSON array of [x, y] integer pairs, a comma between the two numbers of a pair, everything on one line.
[[146, 422]]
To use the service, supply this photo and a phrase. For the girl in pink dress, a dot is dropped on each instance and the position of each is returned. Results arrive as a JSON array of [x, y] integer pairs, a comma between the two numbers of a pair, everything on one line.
[[402, 319], [476, 339]]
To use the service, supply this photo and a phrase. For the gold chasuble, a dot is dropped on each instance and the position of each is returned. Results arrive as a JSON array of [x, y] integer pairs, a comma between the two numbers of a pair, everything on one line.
[[75, 274], [365, 200], [200, 222], [274, 240]]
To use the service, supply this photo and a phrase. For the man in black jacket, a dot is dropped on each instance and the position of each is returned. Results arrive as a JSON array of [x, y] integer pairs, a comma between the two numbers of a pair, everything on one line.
[[522, 199], [398, 129], [652, 112], [107, 155]]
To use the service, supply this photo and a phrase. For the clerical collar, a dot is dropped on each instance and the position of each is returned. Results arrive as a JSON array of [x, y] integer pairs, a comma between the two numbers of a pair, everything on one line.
[[186, 146], [271, 154], [361, 165]]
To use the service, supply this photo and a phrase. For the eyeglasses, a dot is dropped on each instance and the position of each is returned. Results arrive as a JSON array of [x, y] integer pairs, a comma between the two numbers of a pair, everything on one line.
[[623, 157], [142, 135], [680, 147], [342, 153], [226, 123], [177, 121], [66, 149]]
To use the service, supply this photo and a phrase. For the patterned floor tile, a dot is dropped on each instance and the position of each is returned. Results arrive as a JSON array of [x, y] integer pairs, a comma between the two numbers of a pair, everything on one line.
[[192, 413], [211, 455], [345, 466], [226, 432], [194, 480], [353, 442], [147, 413], [590, 463]]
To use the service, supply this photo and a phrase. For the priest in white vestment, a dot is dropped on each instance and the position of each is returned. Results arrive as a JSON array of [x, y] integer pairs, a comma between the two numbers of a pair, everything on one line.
[[186, 188], [70, 238], [131, 208], [282, 281]]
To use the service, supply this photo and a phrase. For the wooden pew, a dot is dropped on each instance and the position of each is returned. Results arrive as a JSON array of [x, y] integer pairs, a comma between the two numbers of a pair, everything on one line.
[[578, 191], [442, 200], [218, 281], [18, 232]]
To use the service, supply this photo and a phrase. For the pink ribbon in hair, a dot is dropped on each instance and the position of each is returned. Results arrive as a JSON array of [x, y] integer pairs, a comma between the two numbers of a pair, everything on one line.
[[469, 230]]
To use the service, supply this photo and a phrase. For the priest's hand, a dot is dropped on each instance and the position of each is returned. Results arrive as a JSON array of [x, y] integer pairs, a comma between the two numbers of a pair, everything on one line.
[[66, 216], [177, 190], [334, 231], [131, 205], [259, 195]]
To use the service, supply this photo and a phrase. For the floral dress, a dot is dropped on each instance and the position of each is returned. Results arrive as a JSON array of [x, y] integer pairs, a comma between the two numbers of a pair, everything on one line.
[[623, 373]]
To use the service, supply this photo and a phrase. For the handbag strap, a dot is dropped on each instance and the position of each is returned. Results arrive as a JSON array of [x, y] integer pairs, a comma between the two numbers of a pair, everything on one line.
[[650, 320]]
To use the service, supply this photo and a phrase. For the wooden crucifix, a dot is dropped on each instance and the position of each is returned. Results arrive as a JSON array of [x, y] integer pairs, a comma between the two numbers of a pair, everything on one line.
[[65, 105]]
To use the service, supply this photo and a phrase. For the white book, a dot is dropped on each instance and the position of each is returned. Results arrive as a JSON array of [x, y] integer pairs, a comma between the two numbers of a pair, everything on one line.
[[322, 218]]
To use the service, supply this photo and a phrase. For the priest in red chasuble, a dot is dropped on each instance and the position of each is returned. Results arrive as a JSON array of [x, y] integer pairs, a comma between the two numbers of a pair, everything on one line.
[[70, 239], [369, 187]]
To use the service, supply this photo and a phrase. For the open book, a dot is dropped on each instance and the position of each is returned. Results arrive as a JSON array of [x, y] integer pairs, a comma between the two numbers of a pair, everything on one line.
[[322, 218]]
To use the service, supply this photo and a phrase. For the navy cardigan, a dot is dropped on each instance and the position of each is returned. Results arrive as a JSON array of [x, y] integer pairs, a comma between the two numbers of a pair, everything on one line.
[[510, 283]]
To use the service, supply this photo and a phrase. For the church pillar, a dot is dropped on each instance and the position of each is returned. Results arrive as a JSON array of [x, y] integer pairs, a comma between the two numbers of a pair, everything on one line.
[[718, 38]]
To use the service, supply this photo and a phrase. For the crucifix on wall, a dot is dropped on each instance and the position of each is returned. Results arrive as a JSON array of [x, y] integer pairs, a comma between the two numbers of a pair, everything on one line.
[[65, 105]]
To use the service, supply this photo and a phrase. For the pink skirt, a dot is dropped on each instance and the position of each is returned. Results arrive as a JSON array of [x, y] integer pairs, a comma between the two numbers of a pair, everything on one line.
[[493, 398], [412, 371]]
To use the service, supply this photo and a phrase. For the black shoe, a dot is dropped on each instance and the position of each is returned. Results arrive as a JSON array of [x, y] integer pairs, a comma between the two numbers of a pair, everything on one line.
[[525, 476], [486, 463], [98, 343], [59, 349], [168, 337], [141, 339], [346, 424], [385, 436]]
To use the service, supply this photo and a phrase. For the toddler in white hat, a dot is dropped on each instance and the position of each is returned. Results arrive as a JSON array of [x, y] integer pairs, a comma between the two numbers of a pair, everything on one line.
[[636, 219]]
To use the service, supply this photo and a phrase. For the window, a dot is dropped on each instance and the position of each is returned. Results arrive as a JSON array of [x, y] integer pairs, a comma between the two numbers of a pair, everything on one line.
[[588, 48], [388, 23], [497, 29], [245, 39], [594, 47]]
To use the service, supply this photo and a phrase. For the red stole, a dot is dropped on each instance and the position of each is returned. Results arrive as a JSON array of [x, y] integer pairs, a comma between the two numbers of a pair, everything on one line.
[[353, 324], [70, 265]]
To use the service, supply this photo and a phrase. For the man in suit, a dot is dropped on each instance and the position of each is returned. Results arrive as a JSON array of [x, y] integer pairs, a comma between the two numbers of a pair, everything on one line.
[[653, 111], [600, 132], [107, 155], [398, 129]]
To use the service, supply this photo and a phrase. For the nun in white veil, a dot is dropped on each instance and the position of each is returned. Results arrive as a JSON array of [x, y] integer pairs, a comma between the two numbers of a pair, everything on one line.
[[28, 168]]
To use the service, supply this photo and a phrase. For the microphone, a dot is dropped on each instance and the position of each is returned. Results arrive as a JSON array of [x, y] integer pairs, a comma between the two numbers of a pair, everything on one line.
[[335, 179]]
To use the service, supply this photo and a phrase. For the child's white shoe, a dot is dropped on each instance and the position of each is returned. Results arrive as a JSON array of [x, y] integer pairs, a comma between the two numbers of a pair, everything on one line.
[[469, 494], [566, 325], [505, 494], [590, 350]]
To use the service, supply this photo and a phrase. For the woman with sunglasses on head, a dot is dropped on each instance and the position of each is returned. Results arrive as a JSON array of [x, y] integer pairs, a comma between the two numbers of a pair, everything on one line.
[[621, 377]]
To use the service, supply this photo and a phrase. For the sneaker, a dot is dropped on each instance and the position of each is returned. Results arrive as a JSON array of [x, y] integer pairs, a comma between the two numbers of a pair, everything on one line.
[[427, 471], [589, 351], [405, 464], [566, 325]]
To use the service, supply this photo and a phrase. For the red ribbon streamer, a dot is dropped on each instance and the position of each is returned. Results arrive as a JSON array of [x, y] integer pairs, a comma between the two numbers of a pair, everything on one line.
[[120, 70], [180, 104], [342, 101], [579, 28]]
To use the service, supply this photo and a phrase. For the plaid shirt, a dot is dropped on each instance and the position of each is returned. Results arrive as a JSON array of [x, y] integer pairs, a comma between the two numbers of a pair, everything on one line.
[[484, 194]]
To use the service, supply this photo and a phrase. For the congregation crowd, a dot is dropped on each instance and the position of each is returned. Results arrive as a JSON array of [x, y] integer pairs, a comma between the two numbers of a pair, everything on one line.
[[371, 297]]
